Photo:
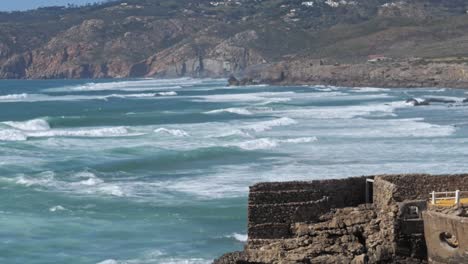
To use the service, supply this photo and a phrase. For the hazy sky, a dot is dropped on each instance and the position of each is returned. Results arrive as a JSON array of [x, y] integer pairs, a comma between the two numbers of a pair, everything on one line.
[[8, 5]]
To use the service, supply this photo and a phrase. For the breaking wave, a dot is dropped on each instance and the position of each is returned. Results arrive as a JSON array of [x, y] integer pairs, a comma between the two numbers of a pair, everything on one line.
[[238, 237], [30, 125], [91, 185], [13, 97], [269, 143], [173, 132], [39, 128], [267, 125], [135, 85], [239, 111]]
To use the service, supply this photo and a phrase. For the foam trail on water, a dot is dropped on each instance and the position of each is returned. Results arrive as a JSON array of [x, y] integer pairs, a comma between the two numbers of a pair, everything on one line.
[[239, 111], [173, 132], [267, 125], [136, 85], [13, 97], [93, 185], [269, 143]]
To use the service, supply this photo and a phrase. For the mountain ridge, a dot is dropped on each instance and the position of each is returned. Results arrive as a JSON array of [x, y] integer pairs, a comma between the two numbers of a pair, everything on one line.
[[167, 38]]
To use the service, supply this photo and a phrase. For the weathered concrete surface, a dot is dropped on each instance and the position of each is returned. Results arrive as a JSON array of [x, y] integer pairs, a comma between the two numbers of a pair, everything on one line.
[[446, 238]]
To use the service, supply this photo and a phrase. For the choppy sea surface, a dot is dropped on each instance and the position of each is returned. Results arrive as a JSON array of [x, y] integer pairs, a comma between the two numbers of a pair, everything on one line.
[[157, 171]]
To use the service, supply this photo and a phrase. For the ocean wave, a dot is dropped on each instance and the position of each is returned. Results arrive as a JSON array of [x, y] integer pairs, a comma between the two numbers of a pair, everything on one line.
[[12, 135], [49, 98], [40, 128], [239, 111], [96, 132], [386, 128], [13, 97], [173, 132], [140, 95], [344, 112], [129, 95], [247, 97], [239, 237], [258, 144], [369, 89], [57, 208], [270, 143], [29, 125], [234, 132], [134, 85], [268, 125], [48, 180]]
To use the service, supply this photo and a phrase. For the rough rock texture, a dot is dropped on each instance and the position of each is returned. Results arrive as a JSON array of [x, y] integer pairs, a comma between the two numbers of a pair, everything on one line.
[[328, 222], [397, 74], [281, 41]]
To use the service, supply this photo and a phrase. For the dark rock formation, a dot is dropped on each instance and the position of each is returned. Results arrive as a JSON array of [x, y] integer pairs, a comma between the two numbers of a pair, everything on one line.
[[416, 102], [395, 74]]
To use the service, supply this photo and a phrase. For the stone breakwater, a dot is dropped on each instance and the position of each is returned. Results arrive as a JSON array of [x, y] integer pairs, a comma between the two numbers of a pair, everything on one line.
[[376, 219]]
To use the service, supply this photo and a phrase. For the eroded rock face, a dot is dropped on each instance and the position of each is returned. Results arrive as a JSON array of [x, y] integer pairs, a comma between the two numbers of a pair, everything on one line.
[[347, 235], [205, 56], [396, 74]]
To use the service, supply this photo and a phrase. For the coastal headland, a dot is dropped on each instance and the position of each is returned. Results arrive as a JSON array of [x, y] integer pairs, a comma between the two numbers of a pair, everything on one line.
[[418, 43]]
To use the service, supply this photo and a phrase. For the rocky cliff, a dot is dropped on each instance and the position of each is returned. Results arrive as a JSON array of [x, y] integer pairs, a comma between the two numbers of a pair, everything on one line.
[[283, 41]]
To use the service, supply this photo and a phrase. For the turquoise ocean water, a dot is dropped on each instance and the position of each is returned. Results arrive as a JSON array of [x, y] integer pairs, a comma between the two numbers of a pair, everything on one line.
[[157, 171]]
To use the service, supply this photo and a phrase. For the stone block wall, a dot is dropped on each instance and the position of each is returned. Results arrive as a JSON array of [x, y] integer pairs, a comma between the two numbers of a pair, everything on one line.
[[418, 186], [274, 207]]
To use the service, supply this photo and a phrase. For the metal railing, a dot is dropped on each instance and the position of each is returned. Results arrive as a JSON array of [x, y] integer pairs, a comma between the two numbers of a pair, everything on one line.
[[435, 196]]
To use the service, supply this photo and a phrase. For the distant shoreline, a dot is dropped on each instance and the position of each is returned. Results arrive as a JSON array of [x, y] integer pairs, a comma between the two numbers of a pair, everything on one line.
[[394, 74]]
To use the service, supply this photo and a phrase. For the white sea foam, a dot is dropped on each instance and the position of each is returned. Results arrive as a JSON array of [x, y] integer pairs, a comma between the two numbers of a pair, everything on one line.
[[157, 256], [140, 95], [239, 111], [258, 144], [344, 112], [171, 93], [57, 208], [267, 125], [13, 97], [108, 261], [239, 237], [173, 132], [12, 135], [93, 185], [269, 143], [30, 125], [39, 128], [134, 85], [382, 128], [447, 98], [234, 132], [369, 89], [93, 132], [247, 97]]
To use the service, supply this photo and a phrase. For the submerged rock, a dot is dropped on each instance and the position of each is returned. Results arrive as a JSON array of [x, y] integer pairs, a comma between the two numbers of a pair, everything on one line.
[[417, 102]]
